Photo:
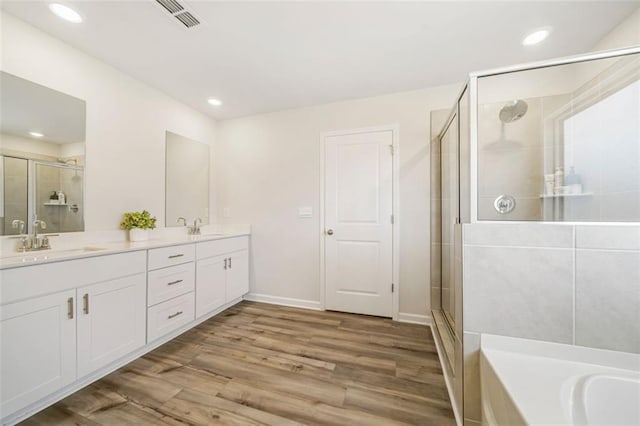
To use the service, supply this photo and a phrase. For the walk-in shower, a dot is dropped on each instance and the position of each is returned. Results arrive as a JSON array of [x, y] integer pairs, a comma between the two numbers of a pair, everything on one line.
[[52, 190], [523, 167]]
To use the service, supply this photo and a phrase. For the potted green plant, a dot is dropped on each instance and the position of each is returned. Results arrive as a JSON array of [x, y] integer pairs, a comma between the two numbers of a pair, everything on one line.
[[138, 225]]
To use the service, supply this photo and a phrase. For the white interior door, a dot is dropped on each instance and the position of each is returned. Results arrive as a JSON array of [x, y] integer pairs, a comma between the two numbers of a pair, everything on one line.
[[358, 223]]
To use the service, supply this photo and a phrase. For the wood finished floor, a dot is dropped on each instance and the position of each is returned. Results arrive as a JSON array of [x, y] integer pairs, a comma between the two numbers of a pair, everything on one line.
[[265, 364]]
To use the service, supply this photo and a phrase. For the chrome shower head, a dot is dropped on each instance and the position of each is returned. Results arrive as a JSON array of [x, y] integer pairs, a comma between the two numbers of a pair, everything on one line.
[[513, 111]]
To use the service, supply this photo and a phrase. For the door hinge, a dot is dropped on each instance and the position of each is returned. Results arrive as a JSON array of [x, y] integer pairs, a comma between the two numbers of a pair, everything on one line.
[[392, 149], [393, 219], [393, 287]]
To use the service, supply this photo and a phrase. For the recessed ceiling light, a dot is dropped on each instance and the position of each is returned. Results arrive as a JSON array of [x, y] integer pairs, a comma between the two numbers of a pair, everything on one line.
[[36, 134], [65, 12], [214, 102], [536, 36]]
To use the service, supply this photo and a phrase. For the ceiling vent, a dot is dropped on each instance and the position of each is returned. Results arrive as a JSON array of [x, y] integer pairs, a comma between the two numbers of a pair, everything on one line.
[[178, 11], [187, 19]]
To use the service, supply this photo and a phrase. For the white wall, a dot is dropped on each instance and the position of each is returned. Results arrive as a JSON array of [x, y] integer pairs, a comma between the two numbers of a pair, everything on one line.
[[126, 122], [626, 34], [16, 144], [268, 165]]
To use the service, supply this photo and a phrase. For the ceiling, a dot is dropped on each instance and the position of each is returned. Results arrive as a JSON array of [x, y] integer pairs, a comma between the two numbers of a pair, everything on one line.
[[28, 107], [267, 56]]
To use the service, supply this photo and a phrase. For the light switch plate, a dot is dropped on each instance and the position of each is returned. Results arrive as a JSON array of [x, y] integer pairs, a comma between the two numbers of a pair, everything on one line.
[[305, 212]]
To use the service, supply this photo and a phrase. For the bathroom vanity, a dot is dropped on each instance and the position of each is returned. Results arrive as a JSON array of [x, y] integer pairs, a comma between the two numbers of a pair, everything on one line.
[[69, 317]]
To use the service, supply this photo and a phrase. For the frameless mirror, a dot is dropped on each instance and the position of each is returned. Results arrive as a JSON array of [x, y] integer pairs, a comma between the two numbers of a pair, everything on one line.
[[187, 180], [42, 157], [562, 142]]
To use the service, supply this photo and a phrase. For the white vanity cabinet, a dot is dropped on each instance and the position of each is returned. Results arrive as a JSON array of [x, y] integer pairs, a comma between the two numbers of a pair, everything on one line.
[[38, 351], [237, 274], [171, 284], [111, 321], [51, 337], [66, 323], [222, 272]]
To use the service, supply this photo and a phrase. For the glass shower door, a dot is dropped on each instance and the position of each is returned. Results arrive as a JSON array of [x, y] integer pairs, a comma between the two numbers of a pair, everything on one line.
[[450, 214]]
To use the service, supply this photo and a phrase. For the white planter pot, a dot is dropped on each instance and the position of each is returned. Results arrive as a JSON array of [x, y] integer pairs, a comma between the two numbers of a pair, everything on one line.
[[137, 234]]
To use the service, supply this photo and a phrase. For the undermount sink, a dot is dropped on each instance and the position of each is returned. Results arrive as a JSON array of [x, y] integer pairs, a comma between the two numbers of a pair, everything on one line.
[[33, 256]]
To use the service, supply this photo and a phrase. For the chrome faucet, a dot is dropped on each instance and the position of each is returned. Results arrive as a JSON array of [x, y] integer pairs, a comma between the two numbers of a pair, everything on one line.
[[24, 239], [39, 242], [191, 230], [195, 229], [33, 241]]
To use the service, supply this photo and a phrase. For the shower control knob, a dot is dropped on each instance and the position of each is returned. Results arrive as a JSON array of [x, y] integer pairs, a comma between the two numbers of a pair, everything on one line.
[[504, 204]]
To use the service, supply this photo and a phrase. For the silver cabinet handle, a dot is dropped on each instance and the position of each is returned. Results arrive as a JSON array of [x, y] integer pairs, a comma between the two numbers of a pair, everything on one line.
[[173, 256], [329, 231], [230, 264], [175, 315], [225, 263], [85, 303], [174, 282], [70, 308]]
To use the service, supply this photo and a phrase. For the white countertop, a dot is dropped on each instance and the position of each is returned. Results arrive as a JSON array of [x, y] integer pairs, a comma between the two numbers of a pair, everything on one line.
[[82, 245]]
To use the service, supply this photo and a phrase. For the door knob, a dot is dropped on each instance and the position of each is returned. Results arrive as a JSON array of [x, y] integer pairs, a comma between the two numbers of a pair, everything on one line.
[[329, 231]]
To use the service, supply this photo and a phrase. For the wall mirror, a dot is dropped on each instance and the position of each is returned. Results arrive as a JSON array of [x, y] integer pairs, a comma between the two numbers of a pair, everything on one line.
[[42, 157], [187, 180], [563, 142]]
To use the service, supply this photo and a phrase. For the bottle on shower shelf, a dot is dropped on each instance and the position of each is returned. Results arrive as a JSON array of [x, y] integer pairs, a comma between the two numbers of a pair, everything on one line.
[[558, 181], [573, 181], [62, 199]]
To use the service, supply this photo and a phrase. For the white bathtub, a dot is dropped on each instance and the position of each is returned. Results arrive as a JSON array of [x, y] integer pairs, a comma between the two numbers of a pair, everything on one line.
[[527, 382]]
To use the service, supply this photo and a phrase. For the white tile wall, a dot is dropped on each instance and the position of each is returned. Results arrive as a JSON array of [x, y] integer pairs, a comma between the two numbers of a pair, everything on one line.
[[608, 299], [519, 292], [556, 282], [472, 376]]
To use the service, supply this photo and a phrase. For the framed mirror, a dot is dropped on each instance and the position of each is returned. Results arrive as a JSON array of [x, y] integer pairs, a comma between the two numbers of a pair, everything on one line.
[[42, 157], [187, 180]]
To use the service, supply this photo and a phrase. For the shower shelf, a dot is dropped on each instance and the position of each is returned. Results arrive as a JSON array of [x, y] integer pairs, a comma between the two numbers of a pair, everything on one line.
[[584, 194], [55, 204]]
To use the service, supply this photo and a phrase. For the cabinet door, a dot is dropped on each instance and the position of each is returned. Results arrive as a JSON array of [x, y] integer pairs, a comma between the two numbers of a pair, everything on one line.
[[111, 321], [37, 349], [210, 284], [237, 275]]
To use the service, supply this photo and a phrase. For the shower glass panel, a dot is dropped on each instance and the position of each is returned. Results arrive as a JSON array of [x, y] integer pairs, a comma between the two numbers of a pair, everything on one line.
[[52, 178], [561, 143], [13, 193], [450, 207]]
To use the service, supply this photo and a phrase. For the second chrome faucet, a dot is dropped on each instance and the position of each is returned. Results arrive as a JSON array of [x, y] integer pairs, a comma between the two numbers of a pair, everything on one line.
[[195, 228]]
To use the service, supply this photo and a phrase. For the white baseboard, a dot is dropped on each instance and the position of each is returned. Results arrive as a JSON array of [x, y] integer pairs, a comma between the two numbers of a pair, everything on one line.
[[414, 318], [284, 301]]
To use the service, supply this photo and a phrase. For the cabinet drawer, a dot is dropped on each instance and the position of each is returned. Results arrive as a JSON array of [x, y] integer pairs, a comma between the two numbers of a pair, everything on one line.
[[169, 256], [170, 315], [167, 283], [220, 247]]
